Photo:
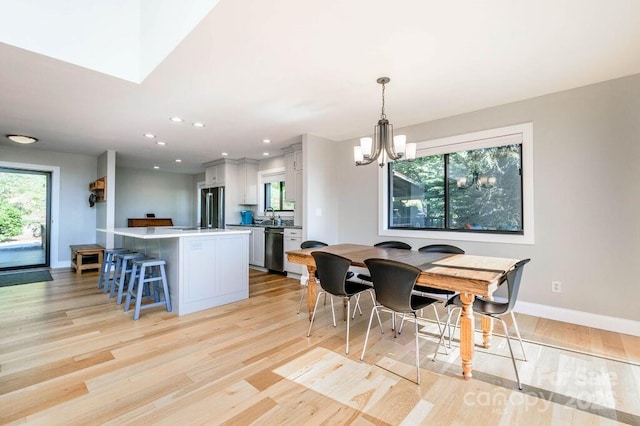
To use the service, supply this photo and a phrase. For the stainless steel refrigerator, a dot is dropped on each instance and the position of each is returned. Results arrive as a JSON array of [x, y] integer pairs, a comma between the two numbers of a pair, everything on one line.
[[212, 207]]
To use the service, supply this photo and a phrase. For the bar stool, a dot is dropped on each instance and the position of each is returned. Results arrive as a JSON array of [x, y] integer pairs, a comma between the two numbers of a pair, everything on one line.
[[107, 263], [151, 279], [123, 269]]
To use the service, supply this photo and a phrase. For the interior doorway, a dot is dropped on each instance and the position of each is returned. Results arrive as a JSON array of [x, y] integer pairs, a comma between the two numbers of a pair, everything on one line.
[[25, 212]]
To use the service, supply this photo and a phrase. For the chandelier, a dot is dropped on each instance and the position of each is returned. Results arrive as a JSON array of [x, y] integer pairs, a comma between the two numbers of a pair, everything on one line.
[[383, 144]]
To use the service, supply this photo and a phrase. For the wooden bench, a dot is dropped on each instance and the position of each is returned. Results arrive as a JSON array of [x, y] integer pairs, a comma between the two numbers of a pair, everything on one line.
[[86, 256]]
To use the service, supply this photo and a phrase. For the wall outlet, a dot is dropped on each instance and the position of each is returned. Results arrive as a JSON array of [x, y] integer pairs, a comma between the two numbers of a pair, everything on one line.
[[556, 286]]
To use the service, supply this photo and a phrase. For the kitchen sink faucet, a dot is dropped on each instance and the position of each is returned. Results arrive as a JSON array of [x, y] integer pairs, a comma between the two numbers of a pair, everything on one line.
[[273, 213]]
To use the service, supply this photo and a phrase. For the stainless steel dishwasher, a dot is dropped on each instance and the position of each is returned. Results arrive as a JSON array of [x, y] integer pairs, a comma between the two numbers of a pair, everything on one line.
[[274, 249]]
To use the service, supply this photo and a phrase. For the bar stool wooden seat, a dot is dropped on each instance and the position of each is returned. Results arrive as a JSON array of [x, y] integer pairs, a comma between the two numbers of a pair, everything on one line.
[[108, 261], [148, 272], [124, 265]]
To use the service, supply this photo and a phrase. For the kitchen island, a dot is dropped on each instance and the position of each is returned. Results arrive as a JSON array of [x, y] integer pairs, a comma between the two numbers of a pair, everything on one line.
[[205, 267]]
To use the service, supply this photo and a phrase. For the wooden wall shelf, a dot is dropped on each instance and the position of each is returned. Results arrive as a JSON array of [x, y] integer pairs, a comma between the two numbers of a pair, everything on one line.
[[99, 187]]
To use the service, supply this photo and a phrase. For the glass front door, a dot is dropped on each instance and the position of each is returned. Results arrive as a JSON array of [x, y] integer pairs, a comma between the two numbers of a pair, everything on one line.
[[24, 218]]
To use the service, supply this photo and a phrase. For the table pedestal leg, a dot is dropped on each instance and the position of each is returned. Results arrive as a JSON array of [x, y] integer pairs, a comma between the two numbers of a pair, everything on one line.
[[467, 325], [487, 328], [312, 290]]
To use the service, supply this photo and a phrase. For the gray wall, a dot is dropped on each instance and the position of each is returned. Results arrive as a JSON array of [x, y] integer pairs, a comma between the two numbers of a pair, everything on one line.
[[76, 220], [169, 195], [587, 213], [319, 187]]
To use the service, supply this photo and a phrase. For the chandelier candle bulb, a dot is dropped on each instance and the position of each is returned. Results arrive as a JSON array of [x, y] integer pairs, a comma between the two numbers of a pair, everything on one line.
[[365, 143], [400, 144], [357, 154], [411, 152]]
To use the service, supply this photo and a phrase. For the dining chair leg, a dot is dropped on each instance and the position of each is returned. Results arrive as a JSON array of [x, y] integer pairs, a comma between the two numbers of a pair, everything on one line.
[[366, 338], [513, 359], [333, 312], [435, 311], [314, 314], [373, 299], [415, 319], [348, 310], [304, 290], [357, 307], [440, 342], [515, 324]]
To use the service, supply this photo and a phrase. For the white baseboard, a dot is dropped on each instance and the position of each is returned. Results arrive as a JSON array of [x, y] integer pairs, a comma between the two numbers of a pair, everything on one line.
[[603, 322], [63, 264]]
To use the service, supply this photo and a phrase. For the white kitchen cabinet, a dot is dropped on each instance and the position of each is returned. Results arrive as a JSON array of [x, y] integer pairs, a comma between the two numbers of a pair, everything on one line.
[[256, 244], [292, 241], [293, 165], [256, 251], [248, 182], [215, 175]]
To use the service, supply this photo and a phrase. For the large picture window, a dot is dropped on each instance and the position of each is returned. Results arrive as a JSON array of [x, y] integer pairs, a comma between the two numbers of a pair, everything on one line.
[[469, 187], [474, 191]]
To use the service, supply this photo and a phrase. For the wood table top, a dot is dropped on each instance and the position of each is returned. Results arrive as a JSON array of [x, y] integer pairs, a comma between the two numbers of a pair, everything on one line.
[[458, 272]]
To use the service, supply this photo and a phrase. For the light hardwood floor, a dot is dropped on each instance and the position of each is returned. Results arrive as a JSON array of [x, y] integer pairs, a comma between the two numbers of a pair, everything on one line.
[[69, 355]]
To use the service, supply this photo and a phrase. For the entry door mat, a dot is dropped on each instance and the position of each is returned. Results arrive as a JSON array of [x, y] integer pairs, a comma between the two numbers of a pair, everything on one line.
[[24, 277]]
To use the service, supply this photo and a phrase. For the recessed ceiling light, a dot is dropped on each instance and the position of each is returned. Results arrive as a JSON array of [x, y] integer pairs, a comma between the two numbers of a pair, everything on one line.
[[176, 119], [266, 154], [197, 124], [224, 154], [161, 143], [156, 167], [22, 139], [266, 140], [178, 160], [149, 135]]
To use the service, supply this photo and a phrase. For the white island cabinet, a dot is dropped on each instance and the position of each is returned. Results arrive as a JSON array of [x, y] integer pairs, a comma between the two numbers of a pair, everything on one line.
[[205, 267]]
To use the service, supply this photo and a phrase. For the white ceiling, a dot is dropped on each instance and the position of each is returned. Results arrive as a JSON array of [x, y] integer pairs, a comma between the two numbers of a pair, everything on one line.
[[255, 69]]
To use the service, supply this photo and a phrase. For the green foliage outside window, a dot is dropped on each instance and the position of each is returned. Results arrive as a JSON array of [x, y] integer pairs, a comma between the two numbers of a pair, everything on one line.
[[476, 190], [274, 194], [10, 221]]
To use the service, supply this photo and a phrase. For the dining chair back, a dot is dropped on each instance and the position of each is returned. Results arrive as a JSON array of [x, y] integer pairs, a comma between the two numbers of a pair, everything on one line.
[[441, 248], [312, 244], [393, 244], [393, 283], [385, 244], [333, 273]]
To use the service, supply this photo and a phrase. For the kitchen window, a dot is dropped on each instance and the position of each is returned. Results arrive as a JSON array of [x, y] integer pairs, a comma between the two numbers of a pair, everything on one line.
[[274, 197], [474, 187]]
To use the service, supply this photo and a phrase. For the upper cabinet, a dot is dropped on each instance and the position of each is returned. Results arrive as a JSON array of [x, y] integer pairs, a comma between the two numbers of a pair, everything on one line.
[[247, 181], [293, 167], [215, 175]]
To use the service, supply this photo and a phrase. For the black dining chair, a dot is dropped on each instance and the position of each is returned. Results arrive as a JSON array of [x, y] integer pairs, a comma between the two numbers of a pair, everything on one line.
[[332, 271], [385, 244], [436, 248], [313, 244], [393, 283], [495, 310]]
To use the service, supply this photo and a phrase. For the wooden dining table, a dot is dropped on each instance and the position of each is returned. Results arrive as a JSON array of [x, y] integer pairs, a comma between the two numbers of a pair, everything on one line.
[[469, 275]]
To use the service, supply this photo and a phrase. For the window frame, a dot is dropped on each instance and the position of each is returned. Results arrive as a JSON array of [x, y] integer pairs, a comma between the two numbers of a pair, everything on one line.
[[521, 133], [271, 175], [282, 196]]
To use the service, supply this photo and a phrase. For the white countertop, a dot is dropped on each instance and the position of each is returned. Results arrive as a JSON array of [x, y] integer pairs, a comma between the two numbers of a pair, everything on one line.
[[171, 232]]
